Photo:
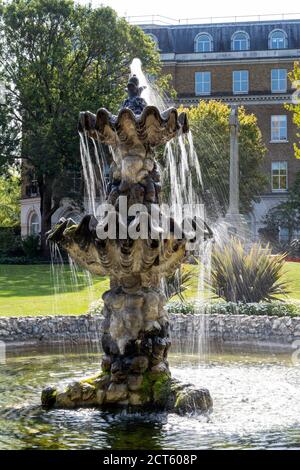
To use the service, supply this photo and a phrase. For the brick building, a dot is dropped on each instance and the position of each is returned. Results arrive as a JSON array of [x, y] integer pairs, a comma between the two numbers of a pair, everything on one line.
[[245, 63]]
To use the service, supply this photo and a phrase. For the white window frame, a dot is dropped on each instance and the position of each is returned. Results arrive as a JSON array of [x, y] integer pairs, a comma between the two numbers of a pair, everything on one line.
[[203, 83], [276, 81], [276, 129], [240, 81], [32, 224], [285, 39], [209, 41], [283, 172], [234, 40]]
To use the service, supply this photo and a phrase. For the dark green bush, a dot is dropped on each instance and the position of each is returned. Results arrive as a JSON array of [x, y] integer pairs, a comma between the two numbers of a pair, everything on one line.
[[279, 309], [10, 241], [246, 274], [31, 246]]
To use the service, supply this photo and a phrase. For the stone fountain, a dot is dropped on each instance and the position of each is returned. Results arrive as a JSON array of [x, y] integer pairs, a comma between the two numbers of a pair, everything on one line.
[[135, 329]]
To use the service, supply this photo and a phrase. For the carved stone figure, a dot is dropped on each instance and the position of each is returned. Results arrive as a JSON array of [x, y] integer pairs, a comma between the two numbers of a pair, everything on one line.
[[135, 340]]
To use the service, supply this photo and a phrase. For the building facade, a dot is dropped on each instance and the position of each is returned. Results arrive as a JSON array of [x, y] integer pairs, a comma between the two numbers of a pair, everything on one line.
[[244, 63]]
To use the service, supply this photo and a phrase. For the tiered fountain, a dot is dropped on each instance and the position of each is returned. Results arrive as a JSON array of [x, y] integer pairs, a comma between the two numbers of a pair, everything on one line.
[[135, 329]]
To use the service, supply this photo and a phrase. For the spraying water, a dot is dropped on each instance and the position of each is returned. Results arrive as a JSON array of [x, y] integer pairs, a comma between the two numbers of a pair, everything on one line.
[[181, 174], [151, 94]]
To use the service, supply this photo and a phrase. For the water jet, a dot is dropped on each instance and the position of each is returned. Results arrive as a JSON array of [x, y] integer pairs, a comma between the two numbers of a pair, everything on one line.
[[135, 333]]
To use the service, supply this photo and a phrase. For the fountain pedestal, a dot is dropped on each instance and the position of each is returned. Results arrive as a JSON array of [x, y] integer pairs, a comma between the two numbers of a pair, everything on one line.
[[135, 332]]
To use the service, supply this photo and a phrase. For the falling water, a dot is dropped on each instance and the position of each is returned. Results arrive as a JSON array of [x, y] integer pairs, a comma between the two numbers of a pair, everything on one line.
[[76, 280], [151, 94], [182, 175], [93, 167]]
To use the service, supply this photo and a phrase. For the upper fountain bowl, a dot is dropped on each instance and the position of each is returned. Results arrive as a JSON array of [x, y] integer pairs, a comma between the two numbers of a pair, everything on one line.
[[130, 129]]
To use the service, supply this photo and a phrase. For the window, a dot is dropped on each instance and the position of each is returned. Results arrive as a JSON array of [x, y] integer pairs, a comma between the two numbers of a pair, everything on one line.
[[278, 128], [279, 176], [154, 38], [202, 83], [240, 41], [203, 43], [284, 234], [278, 80], [241, 81], [278, 39], [34, 226]]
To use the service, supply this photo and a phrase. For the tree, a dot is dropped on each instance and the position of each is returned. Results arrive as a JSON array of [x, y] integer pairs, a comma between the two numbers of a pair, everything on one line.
[[10, 200], [57, 58], [209, 122], [284, 215], [294, 77]]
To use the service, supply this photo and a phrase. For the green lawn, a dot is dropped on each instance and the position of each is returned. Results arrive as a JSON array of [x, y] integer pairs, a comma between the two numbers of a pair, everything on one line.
[[30, 290], [36, 290]]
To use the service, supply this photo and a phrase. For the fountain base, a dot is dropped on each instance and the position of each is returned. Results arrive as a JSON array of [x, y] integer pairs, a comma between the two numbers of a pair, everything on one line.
[[135, 370], [151, 391]]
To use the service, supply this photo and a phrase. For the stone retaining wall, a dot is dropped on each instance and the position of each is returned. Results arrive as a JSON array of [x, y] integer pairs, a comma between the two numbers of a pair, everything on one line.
[[225, 328]]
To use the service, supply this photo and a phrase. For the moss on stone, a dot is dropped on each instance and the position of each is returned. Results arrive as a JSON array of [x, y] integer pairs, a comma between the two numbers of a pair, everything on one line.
[[49, 395], [161, 389], [155, 387], [69, 231], [91, 380]]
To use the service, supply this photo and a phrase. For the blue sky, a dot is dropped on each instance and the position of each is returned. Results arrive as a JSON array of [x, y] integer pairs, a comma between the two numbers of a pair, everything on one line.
[[198, 8]]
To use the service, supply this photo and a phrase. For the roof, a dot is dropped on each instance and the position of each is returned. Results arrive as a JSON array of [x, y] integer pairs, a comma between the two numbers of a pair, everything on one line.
[[179, 39]]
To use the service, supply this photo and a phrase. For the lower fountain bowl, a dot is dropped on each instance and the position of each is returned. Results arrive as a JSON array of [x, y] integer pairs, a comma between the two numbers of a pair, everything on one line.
[[159, 392]]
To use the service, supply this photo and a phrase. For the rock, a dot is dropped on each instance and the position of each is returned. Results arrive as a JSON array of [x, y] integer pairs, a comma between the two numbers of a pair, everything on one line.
[[135, 399], [118, 377], [100, 397], [106, 363], [88, 391], [134, 382], [160, 368], [190, 399], [139, 364], [74, 391], [102, 382], [48, 397], [63, 400], [116, 393]]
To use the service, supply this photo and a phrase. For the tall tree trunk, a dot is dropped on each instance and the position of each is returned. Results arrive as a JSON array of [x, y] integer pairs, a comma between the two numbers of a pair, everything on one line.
[[45, 187]]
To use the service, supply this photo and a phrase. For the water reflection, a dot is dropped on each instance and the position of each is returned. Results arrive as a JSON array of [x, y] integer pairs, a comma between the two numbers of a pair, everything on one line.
[[256, 405]]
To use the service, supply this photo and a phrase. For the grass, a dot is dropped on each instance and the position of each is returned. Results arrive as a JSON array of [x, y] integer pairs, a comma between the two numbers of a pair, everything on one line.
[[30, 290]]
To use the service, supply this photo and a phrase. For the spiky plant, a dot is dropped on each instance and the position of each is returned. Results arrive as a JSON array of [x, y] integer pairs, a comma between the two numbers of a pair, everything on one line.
[[242, 274], [177, 283]]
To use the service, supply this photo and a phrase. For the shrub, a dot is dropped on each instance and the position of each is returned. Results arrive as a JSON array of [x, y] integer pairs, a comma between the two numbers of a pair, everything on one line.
[[239, 274], [279, 309], [177, 283], [10, 241], [96, 307], [31, 246]]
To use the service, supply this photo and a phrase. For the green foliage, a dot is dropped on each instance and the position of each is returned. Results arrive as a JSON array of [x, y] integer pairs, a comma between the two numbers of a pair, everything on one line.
[[10, 242], [278, 309], [294, 77], [10, 200], [286, 214], [58, 57], [246, 275], [185, 308], [31, 246], [177, 283], [209, 123]]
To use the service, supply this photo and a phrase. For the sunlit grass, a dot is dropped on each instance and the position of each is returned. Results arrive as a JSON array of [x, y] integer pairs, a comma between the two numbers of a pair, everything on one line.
[[30, 290]]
